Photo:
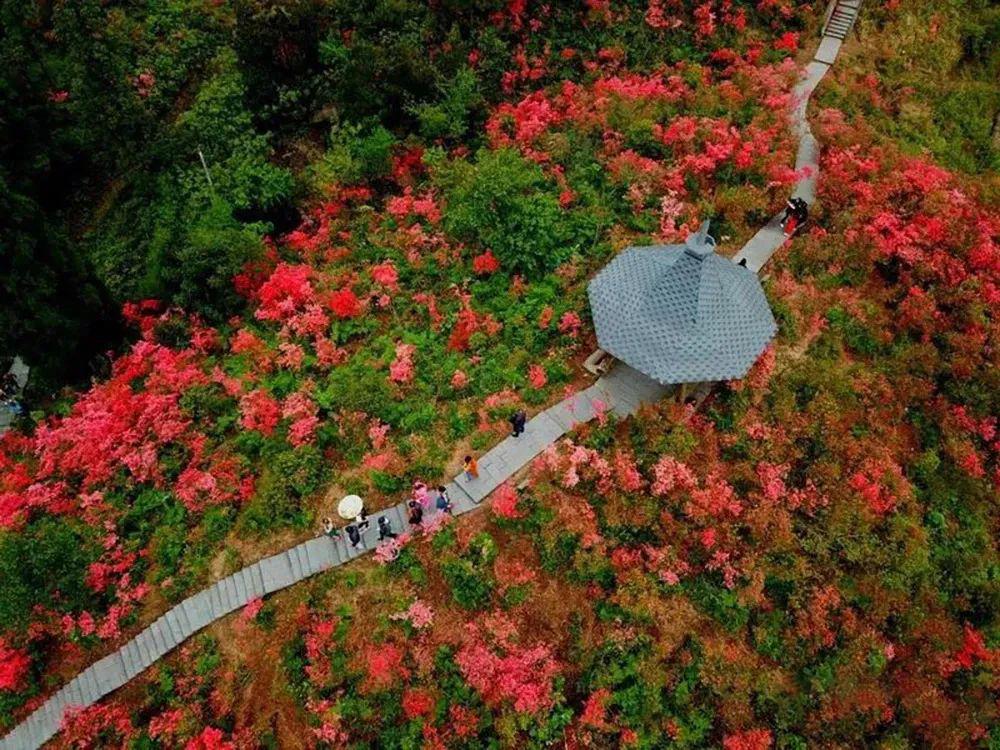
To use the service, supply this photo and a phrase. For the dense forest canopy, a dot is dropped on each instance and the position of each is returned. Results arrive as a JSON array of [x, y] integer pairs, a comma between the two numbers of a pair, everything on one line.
[[303, 248]]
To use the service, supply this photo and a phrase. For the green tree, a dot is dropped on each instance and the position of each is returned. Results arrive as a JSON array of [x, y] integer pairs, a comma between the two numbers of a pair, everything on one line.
[[505, 203], [53, 310], [45, 564]]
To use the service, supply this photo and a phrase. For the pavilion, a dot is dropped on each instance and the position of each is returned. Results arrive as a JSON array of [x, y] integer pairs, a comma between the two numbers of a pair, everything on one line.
[[681, 314]]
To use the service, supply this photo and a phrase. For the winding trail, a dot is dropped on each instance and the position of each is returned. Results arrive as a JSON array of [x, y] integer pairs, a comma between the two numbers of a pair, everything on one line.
[[622, 391]]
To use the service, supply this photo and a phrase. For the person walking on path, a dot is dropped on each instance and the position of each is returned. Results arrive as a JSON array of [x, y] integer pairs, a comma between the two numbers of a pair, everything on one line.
[[353, 534], [8, 386], [362, 521], [796, 214], [421, 495], [385, 529], [416, 513], [471, 468], [9, 389], [443, 502], [517, 421]]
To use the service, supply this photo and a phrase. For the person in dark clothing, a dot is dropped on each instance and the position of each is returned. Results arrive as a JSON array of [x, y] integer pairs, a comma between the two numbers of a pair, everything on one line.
[[791, 209], [416, 513], [362, 520], [443, 502], [796, 214], [517, 421], [353, 534], [8, 387], [385, 529]]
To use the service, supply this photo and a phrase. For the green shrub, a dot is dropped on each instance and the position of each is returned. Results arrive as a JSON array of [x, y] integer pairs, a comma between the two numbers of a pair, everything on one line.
[[212, 252], [357, 386], [408, 564], [557, 553], [211, 406], [174, 332], [386, 483], [289, 478], [718, 602], [45, 564], [169, 543], [482, 550], [450, 116], [470, 587], [856, 336], [504, 202], [354, 154]]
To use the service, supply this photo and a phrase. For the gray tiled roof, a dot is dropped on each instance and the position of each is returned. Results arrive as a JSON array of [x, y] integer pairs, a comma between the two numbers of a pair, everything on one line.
[[681, 313]]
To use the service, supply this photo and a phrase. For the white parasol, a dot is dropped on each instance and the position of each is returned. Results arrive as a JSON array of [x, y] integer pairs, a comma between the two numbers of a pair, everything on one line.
[[350, 507]]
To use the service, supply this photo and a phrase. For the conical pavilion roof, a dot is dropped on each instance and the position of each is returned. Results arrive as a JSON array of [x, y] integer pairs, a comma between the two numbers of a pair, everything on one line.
[[681, 313]]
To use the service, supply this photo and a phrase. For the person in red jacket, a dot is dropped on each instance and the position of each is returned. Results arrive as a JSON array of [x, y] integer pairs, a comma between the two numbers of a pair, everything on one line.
[[796, 213]]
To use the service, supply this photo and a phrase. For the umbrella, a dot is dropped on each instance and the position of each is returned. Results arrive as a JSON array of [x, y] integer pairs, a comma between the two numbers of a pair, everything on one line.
[[350, 507]]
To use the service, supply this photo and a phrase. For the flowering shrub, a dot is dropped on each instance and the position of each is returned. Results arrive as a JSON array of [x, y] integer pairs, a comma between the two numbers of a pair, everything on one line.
[[344, 303], [419, 614], [401, 370], [507, 672], [485, 263], [505, 502], [537, 377], [96, 726], [14, 666]]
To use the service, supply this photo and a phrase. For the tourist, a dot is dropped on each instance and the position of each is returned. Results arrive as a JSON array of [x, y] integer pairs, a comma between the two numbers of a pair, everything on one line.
[[789, 211], [362, 520], [353, 534], [443, 502], [796, 214], [416, 513], [517, 421], [329, 529], [421, 495], [385, 529], [471, 468], [9, 389]]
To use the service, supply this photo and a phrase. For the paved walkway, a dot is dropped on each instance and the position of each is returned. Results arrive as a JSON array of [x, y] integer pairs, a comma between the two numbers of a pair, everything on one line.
[[620, 392], [763, 245]]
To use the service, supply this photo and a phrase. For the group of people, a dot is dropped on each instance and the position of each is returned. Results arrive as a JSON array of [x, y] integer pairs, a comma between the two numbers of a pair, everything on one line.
[[518, 420], [422, 500], [355, 529]]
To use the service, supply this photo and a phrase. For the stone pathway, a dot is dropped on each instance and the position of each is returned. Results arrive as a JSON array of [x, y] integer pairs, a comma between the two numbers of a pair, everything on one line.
[[765, 243], [621, 392]]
